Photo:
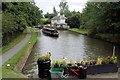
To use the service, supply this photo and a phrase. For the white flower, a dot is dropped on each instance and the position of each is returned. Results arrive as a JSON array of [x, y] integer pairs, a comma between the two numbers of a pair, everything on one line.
[[8, 64], [64, 58], [29, 42]]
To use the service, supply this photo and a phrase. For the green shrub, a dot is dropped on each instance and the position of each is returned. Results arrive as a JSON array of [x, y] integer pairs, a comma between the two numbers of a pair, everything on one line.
[[105, 61], [57, 63], [99, 61], [63, 64], [73, 62], [44, 58], [113, 59]]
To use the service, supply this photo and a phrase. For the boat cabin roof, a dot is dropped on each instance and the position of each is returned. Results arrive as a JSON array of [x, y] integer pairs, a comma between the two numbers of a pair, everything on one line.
[[51, 29]]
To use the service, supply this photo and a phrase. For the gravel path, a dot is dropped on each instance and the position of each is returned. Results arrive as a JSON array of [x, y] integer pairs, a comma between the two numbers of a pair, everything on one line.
[[16, 48]]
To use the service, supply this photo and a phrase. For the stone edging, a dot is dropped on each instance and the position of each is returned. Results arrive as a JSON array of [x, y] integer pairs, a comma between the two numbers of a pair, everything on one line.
[[19, 67]]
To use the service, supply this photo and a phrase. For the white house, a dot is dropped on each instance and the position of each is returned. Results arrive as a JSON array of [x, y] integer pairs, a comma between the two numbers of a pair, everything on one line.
[[59, 21]]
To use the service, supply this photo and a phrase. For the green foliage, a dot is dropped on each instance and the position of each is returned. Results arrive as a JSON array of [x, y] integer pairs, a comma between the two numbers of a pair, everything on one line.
[[74, 20], [8, 70], [101, 17], [57, 63], [105, 61], [16, 16], [84, 31], [16, 58], [63, 64], [64, 8], [44, 19], [6, 73], [99, 61], [14, 41], [48, 15], [44, 58], [73, 62], [113, 59], [47, 21], [54, 11]]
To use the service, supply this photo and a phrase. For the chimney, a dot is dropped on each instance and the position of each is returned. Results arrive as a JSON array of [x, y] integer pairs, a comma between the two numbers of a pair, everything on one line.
[[63, 15], [58, 13]]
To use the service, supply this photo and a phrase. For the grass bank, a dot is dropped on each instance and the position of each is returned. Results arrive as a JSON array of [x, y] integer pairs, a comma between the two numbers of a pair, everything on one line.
[[44, 19], [14, 42], [82, 31], [8, 71]]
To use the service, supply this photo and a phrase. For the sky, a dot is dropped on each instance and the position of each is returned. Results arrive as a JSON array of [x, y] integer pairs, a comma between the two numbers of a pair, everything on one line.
[[47, 5]]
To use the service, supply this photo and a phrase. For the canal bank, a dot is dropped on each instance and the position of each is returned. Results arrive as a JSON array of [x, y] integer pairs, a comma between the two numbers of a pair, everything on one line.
[[8, 71], [83, 33], [114, 39], [22, 62]]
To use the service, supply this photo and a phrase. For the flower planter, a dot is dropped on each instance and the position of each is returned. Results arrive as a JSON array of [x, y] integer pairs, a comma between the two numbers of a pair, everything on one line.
[[104, 68], [65, 70], [56, 73], [71, 73], [82, 72], [43, 68]]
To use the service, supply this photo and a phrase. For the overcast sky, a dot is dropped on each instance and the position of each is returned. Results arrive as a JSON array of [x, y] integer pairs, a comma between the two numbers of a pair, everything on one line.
[[47, 5]]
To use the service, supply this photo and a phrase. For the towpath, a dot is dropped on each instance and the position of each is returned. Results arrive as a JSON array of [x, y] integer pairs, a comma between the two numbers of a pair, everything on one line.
[[6, 56]]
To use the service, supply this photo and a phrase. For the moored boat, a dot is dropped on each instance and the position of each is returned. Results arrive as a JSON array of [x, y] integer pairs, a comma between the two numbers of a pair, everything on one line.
[[50, 31]]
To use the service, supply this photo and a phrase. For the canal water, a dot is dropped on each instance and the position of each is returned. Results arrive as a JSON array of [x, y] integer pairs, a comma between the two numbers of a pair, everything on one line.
[[68, 44]]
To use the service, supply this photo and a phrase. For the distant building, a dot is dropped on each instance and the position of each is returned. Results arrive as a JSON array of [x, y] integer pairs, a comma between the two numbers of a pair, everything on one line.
[[59, 21]]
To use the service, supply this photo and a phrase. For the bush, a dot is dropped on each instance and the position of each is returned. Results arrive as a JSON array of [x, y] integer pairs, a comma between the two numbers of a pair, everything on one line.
[[92, 32], [63, 64], [105, 61], [57, 64]]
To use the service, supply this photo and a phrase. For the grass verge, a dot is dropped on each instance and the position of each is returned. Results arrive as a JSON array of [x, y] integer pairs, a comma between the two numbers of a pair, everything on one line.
[[16, 58], [14, 42], [44, 19], [83, 31]]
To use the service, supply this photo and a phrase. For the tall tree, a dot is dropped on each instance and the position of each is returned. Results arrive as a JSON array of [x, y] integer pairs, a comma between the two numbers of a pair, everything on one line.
[[64, 7], [74, 20], [54, 10], [16, 16], [102, 17]]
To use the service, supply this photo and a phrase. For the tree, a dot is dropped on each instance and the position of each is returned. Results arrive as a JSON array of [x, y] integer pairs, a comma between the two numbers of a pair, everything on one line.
[[48, 15], [54, 11], [102, 17], [74, 20], [64, 7], [16, 16]]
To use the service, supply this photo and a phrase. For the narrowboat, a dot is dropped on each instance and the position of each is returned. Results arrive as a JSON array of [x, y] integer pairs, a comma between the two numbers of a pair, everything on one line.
[[50, 31]]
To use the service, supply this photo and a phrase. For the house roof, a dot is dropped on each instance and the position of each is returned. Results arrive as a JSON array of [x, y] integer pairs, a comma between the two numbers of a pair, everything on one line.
[[58, 17]]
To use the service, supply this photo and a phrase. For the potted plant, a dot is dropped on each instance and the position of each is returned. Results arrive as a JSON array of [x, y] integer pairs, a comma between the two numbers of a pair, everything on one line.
[[105, 61], [73, 66], [113, 59], [57, 64], [44, 65], [64, 66]]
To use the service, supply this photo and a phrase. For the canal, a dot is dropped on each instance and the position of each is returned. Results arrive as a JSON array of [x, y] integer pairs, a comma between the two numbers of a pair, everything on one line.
[[68, 44]]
